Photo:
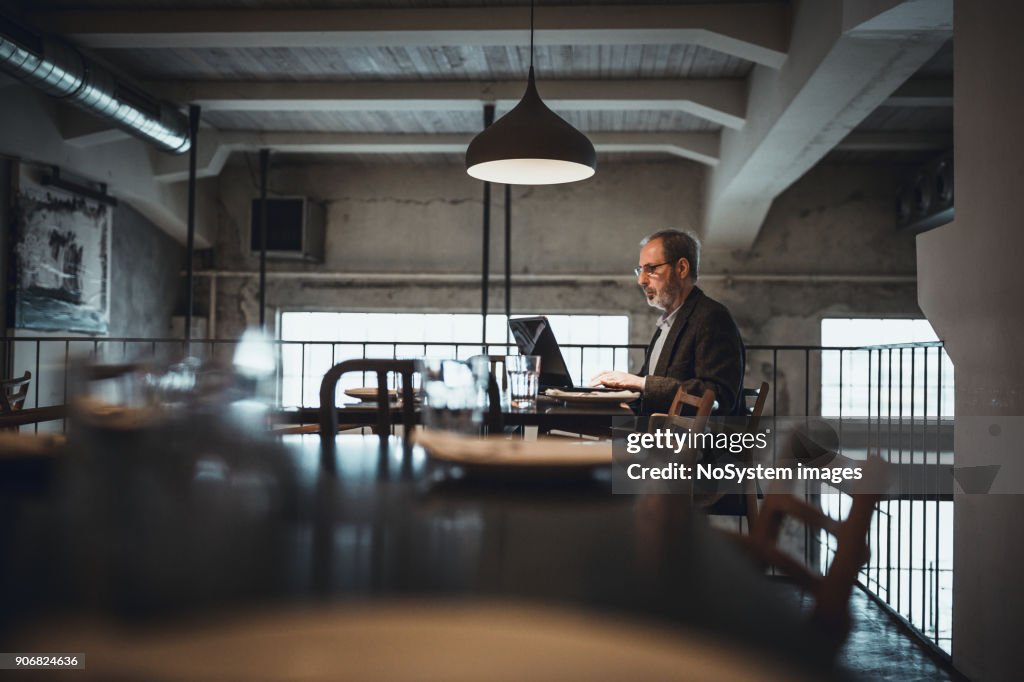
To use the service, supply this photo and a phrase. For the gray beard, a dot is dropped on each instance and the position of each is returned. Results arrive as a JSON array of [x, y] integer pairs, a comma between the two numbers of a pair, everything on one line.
[[668, 296]]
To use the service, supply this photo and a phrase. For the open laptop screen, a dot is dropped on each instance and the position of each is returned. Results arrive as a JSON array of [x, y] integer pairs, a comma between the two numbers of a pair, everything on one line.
[[533, 336]]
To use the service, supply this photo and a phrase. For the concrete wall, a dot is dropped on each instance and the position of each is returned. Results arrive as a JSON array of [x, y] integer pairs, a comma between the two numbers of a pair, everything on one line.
[[145, 268], [970, 289], [396, 218], [828, 247], [145, 276]]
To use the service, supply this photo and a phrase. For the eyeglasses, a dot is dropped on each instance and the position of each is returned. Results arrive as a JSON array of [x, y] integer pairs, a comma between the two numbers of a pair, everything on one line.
[[649, 268]]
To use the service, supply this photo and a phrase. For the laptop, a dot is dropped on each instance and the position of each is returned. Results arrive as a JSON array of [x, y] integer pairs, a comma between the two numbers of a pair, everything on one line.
[[533, 336]]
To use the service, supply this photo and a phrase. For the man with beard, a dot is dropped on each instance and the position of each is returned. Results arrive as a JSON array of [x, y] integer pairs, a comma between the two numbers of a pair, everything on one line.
[[696, 345]]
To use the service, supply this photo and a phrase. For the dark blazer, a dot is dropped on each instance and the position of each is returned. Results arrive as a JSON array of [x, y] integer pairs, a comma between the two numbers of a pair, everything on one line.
[[703, 350]]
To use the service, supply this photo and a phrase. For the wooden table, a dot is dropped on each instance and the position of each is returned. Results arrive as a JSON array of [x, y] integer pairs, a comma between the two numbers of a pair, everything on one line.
[[148, 537], [546, 415], [33, 415]]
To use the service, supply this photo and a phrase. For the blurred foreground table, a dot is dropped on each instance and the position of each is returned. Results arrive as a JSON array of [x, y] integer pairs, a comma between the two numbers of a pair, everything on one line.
[[150, 544]]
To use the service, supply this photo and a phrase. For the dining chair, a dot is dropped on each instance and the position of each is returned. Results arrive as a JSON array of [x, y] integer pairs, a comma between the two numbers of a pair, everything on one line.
[[704, 405], [745, 504], [495, 361], [494, 420], [13, 393], [831, 591], [674, 420], [382, 367]]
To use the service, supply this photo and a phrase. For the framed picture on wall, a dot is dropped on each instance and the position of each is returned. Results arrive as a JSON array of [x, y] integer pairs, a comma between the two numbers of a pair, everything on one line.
[[62, 261]]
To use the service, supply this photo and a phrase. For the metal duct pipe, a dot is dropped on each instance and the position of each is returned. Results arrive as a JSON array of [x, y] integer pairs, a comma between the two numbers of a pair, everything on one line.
[[60, 70]]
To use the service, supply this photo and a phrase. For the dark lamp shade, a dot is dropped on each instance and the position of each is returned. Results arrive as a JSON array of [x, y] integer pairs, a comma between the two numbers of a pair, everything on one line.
[[531, 145]]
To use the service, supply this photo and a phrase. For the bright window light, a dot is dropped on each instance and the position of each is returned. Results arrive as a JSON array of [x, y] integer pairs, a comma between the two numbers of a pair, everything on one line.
[[314, 341], [919, 371]]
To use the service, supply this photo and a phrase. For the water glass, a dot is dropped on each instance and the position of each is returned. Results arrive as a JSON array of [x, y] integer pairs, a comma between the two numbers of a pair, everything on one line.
[[455, 394], [523, 379]]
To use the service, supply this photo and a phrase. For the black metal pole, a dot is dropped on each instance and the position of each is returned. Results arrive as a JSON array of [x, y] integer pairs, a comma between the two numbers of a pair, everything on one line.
[[485, 276], [193, 131], [264, 168], [508, 262]]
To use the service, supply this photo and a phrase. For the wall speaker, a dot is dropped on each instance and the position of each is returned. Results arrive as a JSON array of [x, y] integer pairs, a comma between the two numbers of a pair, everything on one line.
[[925, 200], [295, 229]]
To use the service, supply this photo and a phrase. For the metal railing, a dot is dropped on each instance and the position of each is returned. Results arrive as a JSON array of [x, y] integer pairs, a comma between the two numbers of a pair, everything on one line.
[[904, 392], [301, 364], [907, 391], [791, 370]]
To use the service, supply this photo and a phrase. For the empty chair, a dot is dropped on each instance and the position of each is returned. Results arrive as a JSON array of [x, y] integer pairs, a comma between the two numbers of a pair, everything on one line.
[[13, 393], [495, 422], [383, 367], [744, 505], [831, 592], [494, 361]]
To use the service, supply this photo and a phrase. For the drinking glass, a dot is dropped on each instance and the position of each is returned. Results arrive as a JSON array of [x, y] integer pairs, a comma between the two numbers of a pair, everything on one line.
[[523, 379], [455, 394]]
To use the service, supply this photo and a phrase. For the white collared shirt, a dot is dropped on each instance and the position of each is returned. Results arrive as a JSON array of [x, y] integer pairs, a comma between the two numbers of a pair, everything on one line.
[[664, 324]]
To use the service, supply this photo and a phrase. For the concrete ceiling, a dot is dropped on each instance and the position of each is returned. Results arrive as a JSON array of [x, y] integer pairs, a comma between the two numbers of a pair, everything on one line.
[[758, 92]]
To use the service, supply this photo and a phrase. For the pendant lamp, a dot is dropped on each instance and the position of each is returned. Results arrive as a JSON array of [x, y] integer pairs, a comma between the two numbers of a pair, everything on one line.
[[531, 145]]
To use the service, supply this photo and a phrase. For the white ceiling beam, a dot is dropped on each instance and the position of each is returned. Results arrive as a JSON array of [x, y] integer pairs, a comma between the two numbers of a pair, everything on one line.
[[215, 147], [923, 92], [832, 80], [897, 141], [876, 18], [701, 147], [757, 32], [721, 101]]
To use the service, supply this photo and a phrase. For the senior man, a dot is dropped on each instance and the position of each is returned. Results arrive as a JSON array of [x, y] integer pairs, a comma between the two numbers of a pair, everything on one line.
[[696, 345]]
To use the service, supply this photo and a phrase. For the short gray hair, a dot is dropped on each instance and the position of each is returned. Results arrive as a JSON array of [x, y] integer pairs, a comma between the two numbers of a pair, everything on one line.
[[678, 244]]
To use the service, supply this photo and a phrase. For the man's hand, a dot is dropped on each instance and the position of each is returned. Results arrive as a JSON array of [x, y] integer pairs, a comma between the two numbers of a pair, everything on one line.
[[619, 380]]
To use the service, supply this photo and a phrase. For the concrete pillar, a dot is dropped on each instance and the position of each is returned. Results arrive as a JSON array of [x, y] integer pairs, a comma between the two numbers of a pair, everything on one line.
[[970, 288], [5, 244]]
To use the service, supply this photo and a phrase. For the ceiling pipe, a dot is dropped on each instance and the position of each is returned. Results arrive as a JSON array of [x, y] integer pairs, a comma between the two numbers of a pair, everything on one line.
[[61, 71]]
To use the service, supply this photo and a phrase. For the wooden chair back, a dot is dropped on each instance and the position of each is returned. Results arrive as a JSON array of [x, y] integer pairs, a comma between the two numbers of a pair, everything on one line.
[[13, 393], [745, 504], [831, 592], [674, 420], [495, 420], [494, 361], [382, 367], [704, 405]]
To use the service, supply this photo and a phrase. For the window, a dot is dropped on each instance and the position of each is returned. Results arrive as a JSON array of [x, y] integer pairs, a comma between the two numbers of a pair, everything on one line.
[[873, 381], [314, 341]]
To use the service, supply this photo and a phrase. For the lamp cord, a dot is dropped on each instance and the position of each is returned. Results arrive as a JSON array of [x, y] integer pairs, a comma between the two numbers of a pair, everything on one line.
[[531, 34]]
